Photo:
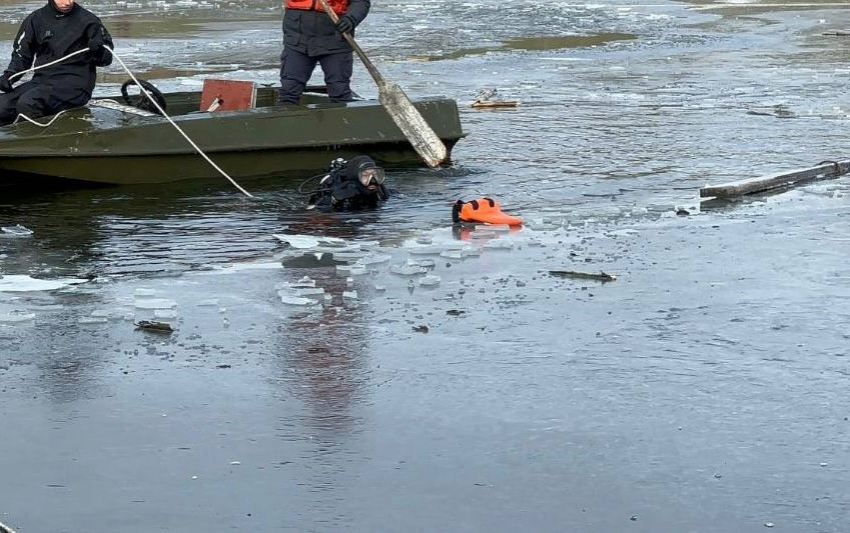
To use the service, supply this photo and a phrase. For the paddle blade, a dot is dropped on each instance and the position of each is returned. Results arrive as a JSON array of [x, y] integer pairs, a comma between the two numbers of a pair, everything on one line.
[[411, 122]]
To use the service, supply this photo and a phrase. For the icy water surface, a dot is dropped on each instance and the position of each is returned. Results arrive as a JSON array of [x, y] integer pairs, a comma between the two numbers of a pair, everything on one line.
[[387, 372]]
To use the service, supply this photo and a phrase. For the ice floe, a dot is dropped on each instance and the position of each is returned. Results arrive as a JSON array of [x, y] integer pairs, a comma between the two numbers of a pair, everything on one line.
[[22, 283]]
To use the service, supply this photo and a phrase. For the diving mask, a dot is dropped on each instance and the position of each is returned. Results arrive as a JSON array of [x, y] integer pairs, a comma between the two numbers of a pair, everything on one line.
[[371, 175]]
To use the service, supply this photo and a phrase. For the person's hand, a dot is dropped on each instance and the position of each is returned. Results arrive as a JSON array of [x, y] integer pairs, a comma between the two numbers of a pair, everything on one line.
[[5, 84], [97, 50], [345, 24]]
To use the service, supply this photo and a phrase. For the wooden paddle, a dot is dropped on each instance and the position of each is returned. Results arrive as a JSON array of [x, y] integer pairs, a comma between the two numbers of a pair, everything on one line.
[[408, 119]]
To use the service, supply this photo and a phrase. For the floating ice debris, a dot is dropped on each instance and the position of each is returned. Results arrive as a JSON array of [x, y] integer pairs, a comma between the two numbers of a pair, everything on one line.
[[16, 317], [92, 320], [308, 291], [483, 234], [357, 270], [305, 281], [351, 295], [499, 245], [452, 254], [380, 288], [500, 228], [155, 303], [424, 239], [164, 313], [144, 293], [429, 281], [299, 241], [427, 263], [16, 231], [307, 241], [349, 256], [541, 225], [373, 259], [407, 270], [20, 283], [425, 250], [208, 303], [289, 299]]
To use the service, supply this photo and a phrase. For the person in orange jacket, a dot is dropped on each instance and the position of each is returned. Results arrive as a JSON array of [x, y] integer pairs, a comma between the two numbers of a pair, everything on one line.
[[310, 38]]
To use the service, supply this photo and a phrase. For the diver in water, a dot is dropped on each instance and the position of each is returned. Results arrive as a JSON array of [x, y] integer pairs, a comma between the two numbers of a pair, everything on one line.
[[349, 186]]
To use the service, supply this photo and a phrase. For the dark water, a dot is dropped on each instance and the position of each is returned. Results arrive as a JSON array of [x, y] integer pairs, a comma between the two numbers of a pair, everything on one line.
[[703, 390]]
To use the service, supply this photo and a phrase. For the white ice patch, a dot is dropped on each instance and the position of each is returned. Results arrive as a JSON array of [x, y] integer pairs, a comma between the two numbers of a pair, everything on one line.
[[20, 283], [306, 241], [288, 299], [15, 231], [407, 269], [155, 303], [429, 281], [16, 317], [240, 267]]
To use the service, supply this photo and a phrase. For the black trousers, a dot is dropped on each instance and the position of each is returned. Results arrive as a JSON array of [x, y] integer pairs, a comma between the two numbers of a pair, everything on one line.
[[37, 100], [296, 69]]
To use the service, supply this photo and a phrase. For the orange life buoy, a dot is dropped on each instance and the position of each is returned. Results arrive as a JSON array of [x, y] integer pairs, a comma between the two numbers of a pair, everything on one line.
[[484, 210]]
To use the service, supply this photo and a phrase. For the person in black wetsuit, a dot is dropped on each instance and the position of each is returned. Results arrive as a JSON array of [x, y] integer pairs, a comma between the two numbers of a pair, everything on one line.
[[350, 185], [47, 34]]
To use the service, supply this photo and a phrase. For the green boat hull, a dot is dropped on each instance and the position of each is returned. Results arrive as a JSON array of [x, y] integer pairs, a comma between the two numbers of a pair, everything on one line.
[[114, 145]]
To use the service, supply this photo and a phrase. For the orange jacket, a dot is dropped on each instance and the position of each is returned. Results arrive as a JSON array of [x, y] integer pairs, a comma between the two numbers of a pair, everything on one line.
[[339, 6]]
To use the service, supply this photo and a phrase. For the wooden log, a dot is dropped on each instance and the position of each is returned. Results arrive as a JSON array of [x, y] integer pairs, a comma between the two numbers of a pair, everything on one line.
[[494, 103], [604, 277], [830, 169]]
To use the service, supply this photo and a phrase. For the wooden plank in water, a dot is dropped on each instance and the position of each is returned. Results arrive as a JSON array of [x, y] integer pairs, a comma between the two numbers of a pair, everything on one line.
[[494, 103], [827, 169]]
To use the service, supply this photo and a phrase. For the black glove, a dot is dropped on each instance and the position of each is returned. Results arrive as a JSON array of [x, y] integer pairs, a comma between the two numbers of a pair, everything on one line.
[[345, 24], [96, 50], [5, 84]]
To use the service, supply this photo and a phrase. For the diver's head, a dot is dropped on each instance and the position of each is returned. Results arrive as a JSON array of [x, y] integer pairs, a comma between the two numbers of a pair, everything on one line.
[[367, 175]]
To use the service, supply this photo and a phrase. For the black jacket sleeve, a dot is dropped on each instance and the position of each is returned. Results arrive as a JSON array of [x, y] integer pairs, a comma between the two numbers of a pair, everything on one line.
[[23, 48], [357, 10], [97, 34]]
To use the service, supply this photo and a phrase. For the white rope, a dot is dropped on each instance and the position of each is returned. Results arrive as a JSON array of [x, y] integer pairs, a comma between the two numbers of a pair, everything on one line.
[[190, 141], [149, 97], [32, 121], [33, 69]]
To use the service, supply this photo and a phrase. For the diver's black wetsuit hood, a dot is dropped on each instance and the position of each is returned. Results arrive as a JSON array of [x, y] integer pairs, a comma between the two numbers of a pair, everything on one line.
[[342, 189]]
